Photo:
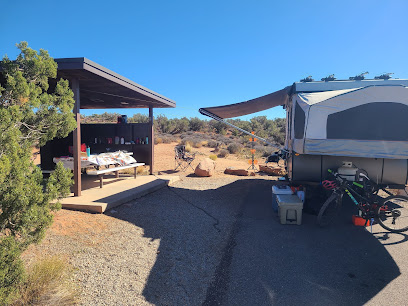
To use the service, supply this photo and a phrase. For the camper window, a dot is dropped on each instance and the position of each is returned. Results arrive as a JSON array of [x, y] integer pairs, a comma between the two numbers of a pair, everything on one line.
[[299, 122], [371, 121]]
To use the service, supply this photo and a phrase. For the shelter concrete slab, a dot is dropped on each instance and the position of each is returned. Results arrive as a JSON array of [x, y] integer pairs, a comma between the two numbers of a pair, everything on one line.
[[116, 192]]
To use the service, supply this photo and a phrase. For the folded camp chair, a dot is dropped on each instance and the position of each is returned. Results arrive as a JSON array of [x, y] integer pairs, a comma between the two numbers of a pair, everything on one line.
[[182, 158]]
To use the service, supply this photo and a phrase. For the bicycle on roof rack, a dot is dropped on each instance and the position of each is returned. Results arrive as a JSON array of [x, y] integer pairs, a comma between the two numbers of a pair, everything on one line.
[[390, 212]]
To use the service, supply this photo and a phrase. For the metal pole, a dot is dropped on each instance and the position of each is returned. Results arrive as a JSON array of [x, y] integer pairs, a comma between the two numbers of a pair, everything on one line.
[[151, 139], [206, 113], [77, 139]]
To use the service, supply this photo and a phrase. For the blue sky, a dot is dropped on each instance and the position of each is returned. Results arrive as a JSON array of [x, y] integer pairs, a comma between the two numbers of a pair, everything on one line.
[[208, 53]]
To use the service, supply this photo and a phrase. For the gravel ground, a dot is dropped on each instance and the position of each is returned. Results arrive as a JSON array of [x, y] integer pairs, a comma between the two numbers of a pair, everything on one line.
[[161, 249], [216, 241]]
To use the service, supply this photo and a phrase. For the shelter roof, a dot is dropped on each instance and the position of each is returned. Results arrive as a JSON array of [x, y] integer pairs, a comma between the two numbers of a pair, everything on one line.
[[103, 88]]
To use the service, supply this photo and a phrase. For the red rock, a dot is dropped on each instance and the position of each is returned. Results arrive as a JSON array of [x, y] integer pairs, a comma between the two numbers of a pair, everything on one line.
[[206, 167], [279, 171], [240, 172]]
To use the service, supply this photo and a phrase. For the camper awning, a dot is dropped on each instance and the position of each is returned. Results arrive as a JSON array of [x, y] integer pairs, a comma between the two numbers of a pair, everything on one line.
[[249, 107]]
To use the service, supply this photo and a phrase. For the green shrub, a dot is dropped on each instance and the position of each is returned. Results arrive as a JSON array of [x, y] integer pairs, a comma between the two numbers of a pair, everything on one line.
[[31, 114], [197, 124], [11, 270], [213, 157]]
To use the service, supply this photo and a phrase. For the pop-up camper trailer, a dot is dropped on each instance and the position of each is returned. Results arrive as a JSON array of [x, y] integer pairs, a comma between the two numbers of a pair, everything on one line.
[[364, 122]]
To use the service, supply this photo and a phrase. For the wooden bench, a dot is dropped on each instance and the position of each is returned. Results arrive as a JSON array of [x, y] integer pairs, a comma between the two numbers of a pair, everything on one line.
[[114, 169]]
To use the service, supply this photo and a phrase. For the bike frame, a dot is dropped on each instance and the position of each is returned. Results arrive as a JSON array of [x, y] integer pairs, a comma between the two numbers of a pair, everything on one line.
[[347, 187]]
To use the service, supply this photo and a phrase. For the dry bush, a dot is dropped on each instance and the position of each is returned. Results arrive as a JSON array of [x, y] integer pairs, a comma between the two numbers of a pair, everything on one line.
[[261, 150], [223, 153], [197, 145], [142, 170], [213, 157], [166, 138], [189, 133], [212, 143], [223, 139], [158, 140], [170, 139], [48, 283], [139, 170], [195, 142], [188, 147], [234, 148], [185, 141], [204, 143]]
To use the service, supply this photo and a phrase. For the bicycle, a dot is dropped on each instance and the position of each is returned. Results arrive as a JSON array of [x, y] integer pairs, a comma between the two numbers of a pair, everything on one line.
[[391, 212]]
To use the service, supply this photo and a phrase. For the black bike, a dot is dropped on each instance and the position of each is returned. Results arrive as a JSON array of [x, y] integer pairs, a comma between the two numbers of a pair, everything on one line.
[[390, 212]]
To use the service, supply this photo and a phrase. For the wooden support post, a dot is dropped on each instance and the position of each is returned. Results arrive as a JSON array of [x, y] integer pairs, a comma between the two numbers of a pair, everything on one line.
[[77, 139], [135, 174], [101, 180], [116, 174], [151, 140]]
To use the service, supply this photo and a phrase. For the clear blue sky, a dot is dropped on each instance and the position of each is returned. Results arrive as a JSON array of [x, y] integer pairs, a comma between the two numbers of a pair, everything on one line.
[[207, 53]]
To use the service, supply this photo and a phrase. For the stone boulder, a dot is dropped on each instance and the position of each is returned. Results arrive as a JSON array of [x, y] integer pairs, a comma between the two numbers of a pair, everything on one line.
[[278, 171], [206, 167], [233, 171]]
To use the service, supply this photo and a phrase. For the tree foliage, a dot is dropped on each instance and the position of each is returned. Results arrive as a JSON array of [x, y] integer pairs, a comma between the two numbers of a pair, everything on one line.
[[139, 118], [31, 114]]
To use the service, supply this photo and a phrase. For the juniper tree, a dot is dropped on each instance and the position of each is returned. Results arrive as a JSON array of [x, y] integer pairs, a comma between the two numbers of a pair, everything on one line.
[[31, 113]]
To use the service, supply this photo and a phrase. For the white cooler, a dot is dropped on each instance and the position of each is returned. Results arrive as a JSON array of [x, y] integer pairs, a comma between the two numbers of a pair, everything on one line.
[[279, 189]]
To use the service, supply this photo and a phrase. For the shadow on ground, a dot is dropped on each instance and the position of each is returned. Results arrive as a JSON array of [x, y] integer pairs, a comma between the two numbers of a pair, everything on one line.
[[225, 246], [92, 181]]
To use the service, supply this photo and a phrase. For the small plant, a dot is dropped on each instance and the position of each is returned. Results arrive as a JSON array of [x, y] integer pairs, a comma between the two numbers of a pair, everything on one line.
[[48, 282], [212, 143], [167, 138], [204, 143], [234, 148], [223, 153], [158, 140], [141, 170], [197, 145], [188, 147], [11, 269], [213, 157]]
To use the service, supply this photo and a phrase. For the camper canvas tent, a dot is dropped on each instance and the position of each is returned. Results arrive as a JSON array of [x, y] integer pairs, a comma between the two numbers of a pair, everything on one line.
[[364, 122]]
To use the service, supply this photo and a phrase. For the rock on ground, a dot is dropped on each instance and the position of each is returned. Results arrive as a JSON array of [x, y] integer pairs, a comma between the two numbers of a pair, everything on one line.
[[240, 172], [206, 167]]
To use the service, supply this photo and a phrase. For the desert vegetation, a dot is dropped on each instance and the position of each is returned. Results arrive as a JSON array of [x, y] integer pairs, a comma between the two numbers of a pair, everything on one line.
[[31, 114], [195, 132]]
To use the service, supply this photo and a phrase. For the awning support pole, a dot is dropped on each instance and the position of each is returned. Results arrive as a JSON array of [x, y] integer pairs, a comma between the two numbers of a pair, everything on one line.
[[77, 140], [151, 139], [206, 113]]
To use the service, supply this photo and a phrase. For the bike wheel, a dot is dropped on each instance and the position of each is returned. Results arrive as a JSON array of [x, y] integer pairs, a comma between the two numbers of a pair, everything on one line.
[[393, 214], [329, 210]]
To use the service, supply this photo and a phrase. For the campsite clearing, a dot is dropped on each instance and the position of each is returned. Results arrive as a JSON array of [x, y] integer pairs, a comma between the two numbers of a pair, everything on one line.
[[217, 240]]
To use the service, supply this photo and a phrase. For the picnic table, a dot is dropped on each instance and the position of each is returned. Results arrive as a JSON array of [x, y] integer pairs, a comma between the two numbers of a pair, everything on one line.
[[97, 160], [120, 161]]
